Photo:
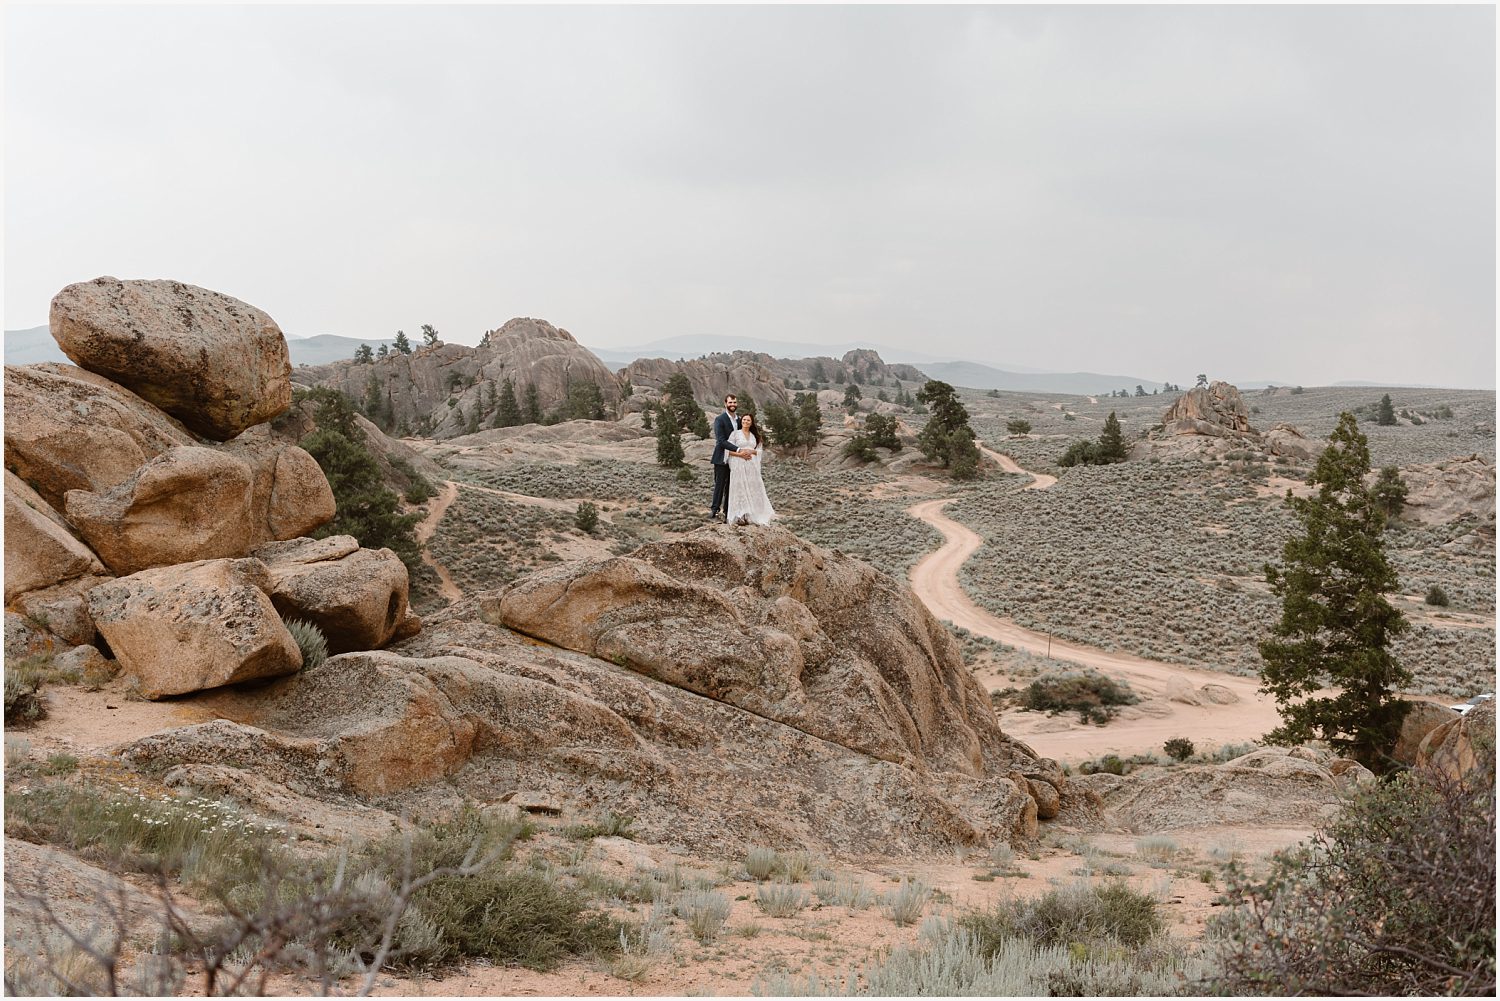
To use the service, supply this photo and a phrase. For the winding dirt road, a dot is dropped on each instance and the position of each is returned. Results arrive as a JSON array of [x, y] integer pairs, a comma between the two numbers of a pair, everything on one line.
[[446, 495], [1140, 728]]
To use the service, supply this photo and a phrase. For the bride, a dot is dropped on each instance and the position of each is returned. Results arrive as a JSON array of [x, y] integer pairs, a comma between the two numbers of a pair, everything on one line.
[[748, 503]]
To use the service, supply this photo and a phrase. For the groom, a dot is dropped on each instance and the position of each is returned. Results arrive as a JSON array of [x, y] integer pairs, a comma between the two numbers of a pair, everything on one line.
[[724, 425]]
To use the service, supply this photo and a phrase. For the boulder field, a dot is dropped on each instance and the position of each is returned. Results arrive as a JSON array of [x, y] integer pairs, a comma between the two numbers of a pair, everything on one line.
[[143, 484]]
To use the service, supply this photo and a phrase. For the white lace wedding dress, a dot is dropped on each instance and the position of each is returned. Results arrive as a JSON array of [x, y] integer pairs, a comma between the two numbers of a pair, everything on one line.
[[747, 491]]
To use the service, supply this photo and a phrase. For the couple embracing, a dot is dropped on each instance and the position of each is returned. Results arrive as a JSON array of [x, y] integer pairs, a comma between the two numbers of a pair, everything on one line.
[[739, 492]]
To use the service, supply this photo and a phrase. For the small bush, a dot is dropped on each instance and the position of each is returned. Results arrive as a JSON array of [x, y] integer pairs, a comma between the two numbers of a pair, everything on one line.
[[1179, 748], [762, 863], [1396, 896], [1080, 913], [587, 517], [781, 900], [845, 891], [704, 912], [906, 903], [1156, 848], [1437, 596], [685, 475], [23, 704], [310, 640], [1090, 694]]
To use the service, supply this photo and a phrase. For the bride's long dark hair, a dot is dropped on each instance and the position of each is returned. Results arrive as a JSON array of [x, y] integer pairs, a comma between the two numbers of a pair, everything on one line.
[[751, 429]]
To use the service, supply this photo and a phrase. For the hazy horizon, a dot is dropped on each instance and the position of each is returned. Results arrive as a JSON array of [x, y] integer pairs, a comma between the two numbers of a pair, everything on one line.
[[1162, 191]]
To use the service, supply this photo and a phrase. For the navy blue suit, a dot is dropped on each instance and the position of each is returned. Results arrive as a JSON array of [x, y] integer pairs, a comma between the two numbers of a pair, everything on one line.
[[723, 427]]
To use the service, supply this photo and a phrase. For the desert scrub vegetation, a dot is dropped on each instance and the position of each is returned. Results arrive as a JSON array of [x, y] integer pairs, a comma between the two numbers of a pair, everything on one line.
[[1094, 697], [427, 899], [1076, 940], [1165, 560], [486, 541], [1396, 896]]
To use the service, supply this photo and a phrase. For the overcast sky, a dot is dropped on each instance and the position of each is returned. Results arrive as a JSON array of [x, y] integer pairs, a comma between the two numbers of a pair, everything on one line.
[[1289, 193]]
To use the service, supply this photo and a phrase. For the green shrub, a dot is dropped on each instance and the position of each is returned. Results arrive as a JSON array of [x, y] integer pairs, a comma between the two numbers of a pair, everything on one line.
[[1437, 596], [587, 517], [1396, 896], [1079, 913], [1179, 748], [310, 640], [1090, 694], [23, 704]]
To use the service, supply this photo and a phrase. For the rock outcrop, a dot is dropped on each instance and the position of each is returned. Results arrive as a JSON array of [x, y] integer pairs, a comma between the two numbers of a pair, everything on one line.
[[438, 389], [1420, 720], [194, 626], [1441, 492], [1217, 409], [356, 597], [40, 551], [1461, 745], [1269, 787], [711, 379], [217, 364], [187, 504], [874, 738], [773, 625], [67, 429]]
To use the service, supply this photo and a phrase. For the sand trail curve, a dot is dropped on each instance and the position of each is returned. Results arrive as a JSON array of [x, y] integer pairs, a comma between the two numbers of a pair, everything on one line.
[[1140, 729]]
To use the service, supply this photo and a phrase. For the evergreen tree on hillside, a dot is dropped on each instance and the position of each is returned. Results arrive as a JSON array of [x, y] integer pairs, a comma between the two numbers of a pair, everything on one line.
[[1385, 413], [809, 419], [365, 507], [949, 421], [1390, 492], [533, 412], [677, 393], [1336, 625], [1112, 446], [782, 424], [882, 432], [507, 411], [384, 350], [430, 335], [646, 417], [668, 441], [852, 396], [402, 344], [363, 355]]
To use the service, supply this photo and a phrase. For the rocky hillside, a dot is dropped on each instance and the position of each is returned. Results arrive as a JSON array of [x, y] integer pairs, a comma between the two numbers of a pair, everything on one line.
[[763, 377], [727, 687], [446, 389]]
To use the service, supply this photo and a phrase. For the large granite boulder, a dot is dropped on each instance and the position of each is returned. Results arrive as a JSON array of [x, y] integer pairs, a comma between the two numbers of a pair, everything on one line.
[[40, 551], [1461, 745], [1440, 492], [217, 364], [67, 429], [289, 495], [187, 504], [194, 626], [1420, 720], [357, 597], [62, 609], [1217, 409], [741, 373], [764, 621]]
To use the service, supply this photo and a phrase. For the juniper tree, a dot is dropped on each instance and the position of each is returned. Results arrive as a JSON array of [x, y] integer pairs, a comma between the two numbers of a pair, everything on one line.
[[949, 423], [1390, 492], [1112, 440], [1336, 625], [668, 441]]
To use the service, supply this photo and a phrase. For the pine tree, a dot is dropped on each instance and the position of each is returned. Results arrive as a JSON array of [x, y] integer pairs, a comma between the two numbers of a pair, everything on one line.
[[507, 411], [1336, 625], [668, 442], [471, 426], [372, 403], [430, 335], [1390, 492], [809, 419], [949, 418], [1112, 446], [646, 417], [384, 350], [782, 424], [364, 507], [364, 354], [678, 394], [402, 344], [852, 396], [533, 411], [1385, 414]]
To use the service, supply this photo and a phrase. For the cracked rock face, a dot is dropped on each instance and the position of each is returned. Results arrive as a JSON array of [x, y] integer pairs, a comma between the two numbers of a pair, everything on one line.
[[1217, 410], [215, 363]]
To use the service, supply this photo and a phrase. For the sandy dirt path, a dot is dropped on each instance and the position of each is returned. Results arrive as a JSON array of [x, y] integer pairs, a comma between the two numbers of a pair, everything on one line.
[[447, 494], [1039, 481], [1141, 728]]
